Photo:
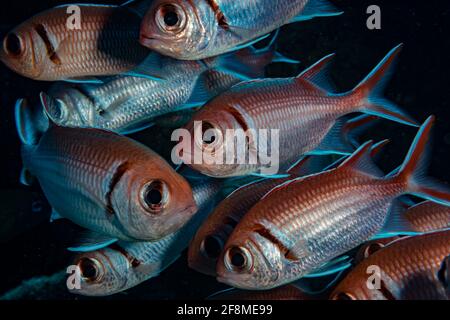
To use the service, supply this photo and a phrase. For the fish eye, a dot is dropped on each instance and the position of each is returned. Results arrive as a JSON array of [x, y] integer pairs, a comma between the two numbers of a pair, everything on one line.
[[13, 45], [90, 269], [343, 296], [154, 195], [238, 259], [171, 18], [371, 249], [59, 111], [211, 247]]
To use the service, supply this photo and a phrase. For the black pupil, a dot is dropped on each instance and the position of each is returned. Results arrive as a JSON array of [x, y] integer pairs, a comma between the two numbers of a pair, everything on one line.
[[88, 269], [213, 247], [206, 127], [153, 196], [13, 45], [238, 260], [343, 296], [171, 18]]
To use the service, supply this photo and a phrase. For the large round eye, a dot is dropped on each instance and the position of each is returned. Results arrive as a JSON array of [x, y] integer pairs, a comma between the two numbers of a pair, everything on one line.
[[212, 246], [238, 259], [13, 45], [372, 248], [155, 195], [90, 269], [171, 18]]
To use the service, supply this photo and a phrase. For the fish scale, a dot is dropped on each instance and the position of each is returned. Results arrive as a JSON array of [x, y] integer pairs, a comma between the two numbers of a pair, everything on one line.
[[409, 270], [153, 257], [106, 43], [218, 26], [96, 178]]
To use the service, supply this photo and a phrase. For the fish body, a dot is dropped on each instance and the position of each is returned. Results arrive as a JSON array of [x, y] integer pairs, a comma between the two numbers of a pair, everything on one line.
[[207, 245], [45, 48], [305, 223], [199, 29], [296, 109], [127, 264], [289, 292], [428, 216], [109, 184], [126, 104], [409, 270]]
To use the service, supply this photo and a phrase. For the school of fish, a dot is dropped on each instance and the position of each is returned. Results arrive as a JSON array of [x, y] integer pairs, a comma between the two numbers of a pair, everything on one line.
[[199, 67]]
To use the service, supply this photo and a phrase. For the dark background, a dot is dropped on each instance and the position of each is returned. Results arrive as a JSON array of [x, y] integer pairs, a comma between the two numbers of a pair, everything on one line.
[[30, 246]]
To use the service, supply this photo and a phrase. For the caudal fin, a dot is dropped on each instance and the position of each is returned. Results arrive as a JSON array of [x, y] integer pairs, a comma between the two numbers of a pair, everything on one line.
[[413, 168], [369, 92]]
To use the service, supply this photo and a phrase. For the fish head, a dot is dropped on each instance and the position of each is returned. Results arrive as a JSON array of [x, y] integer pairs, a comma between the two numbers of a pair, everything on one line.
[[250, 261], [100, 273], [151, 200], [179, 29], [219, 140], [24, 52], [67, 106], [206, 248]]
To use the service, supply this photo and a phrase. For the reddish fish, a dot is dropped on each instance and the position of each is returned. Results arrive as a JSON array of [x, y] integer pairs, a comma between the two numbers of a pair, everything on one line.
[[428, 216], [409, 269], [210, 239], [299, 108], [44, 48], [107, 183], [289, 292], [301, 225]]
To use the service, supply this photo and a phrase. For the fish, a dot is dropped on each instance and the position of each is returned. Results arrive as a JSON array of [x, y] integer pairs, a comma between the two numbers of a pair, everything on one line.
[[124, 265], [297, 110], [107, 183], [106, 43], [127, 104], [207, 245], [288, 292], [199, 29], [307, 222], [408, 270], [428, 216]]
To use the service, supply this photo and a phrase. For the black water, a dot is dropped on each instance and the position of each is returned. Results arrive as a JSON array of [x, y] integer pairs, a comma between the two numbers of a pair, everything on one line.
[[31, 246]]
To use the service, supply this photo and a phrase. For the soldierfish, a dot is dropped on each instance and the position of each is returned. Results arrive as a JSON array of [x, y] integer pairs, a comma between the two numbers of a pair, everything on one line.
[[124, 265], [107, 183], [301, 225], [45, 47], [127, 104], [408, 269], [299, 108], [198, 29], [207, 245], [288, 292]]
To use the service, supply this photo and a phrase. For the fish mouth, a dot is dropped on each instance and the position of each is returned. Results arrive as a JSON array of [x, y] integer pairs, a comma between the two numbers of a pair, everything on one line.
[[146, 41]]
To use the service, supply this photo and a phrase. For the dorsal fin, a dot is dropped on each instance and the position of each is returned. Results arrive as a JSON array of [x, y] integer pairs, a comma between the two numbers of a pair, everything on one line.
[[319, 74], [361, 160]]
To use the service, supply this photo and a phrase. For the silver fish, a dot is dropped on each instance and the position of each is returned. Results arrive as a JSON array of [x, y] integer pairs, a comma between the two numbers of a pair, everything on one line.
[[305, 223], [198, 29], [127, 264], [127, 104], [107, 183]]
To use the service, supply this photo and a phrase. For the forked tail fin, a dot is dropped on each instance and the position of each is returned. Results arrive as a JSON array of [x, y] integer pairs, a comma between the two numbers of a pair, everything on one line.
[[412, 171]]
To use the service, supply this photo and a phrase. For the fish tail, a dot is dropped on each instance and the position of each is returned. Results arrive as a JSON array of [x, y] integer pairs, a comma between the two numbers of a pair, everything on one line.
[[412, 171], [369, 93]]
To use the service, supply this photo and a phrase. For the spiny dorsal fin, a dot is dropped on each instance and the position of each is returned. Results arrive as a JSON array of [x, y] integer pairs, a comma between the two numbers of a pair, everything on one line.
[[319, 74], [361, 161]]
